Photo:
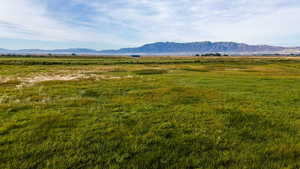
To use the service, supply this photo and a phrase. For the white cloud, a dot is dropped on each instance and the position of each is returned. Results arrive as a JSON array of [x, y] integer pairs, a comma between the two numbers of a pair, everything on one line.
[[132, 22], [269, 27], [26, 19], [252, 21]]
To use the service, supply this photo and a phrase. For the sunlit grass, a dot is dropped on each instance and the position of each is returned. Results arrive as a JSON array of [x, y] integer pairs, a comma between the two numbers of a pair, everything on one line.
[[150, 113]]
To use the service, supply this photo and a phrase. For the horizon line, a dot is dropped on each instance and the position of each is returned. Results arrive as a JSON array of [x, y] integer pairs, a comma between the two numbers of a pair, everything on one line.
[[250, 44]]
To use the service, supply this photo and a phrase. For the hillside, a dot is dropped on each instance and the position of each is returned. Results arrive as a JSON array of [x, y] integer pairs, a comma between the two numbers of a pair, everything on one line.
[[201, 47]]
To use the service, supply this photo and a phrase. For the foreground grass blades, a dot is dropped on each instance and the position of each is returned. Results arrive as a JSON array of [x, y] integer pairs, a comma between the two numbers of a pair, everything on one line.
[[149, 113]]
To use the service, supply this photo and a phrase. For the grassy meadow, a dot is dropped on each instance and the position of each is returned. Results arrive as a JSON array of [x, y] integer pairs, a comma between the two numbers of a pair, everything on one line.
[[160, 113]]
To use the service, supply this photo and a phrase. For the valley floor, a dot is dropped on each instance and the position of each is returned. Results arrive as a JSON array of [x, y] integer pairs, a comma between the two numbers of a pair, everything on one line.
[[147, 113]]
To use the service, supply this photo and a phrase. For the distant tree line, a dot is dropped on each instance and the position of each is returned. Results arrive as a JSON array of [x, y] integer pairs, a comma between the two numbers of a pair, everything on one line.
[[37, 55], [21, 55], [212, 54], [277, 54]]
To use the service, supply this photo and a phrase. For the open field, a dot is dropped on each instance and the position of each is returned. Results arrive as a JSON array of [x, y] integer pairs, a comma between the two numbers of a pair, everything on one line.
[[174, 113]]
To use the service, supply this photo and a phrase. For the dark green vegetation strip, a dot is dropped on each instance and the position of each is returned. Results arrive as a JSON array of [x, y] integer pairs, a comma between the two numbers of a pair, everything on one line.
[[241, 113], [143, 61], [150, 71]]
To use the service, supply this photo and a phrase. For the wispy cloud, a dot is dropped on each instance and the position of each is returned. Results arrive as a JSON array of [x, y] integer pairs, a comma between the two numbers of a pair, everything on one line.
[[27, 19], [133, 22]]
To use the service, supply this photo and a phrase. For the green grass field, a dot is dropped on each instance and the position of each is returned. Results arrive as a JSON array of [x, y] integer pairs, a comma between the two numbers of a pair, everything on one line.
[[173, 113]]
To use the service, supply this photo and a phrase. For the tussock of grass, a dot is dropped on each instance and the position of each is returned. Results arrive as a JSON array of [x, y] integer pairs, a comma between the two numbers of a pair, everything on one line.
[[150, 71], [10, 82], [195, 70]]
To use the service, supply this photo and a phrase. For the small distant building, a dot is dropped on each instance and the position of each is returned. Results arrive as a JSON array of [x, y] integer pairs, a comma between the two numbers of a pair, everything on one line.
[[136, 56]]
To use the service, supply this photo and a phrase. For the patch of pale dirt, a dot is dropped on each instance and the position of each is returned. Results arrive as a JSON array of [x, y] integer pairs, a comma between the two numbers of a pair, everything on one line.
[[38, 79], [30, 81], [4, 79], [62, 75]]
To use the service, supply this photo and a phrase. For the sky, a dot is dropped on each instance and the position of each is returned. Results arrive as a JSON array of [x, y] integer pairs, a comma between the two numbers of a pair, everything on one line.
[[112, 24]]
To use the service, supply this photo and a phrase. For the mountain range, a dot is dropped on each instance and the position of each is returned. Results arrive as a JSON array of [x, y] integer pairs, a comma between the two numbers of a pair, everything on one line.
[[170, 48]]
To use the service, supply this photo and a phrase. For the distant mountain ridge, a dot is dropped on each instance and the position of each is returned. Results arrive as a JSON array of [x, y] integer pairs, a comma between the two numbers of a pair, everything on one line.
[[168, 48], [197, 47]]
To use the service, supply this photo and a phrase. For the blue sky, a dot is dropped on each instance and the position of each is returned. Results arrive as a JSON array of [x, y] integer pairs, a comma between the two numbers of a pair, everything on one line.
[[109, 24]]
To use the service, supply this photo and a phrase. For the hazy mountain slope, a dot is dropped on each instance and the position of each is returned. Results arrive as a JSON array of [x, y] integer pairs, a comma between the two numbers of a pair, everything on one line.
[[201, 47], [171, 48]]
